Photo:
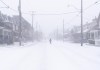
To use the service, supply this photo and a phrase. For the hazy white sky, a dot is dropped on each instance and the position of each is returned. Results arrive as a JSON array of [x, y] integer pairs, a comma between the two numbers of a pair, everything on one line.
[[47, 23]]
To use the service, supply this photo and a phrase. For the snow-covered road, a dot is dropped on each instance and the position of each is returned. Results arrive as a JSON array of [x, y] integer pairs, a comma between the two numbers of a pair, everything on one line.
[[55, 56]]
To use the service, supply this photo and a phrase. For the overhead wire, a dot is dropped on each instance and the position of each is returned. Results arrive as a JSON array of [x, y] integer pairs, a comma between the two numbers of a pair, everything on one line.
[[86, 9], [4, 3], [42, 13], [92, 5], [53, 13], [36, 14], [8, 6]]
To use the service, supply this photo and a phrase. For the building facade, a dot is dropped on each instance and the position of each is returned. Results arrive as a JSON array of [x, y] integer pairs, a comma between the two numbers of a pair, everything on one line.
[[9, 29], [91, 32]]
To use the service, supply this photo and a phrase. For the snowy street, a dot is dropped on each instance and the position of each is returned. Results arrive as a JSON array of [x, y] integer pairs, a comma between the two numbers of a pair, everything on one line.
[[49, 35], [45, 56]]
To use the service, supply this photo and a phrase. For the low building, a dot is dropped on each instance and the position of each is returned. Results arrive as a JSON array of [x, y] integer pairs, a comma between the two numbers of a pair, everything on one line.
[[26, 29], [91, 32], [9, 29], [95, 33], [6, 32]]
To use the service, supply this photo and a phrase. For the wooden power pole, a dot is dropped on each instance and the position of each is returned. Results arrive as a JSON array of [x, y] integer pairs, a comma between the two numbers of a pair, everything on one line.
[[63, 29], [32, 24], [20, 24], [81, 22]]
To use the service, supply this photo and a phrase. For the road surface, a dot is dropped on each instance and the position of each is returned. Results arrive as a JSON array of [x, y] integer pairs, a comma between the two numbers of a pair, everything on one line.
[[55, 56]]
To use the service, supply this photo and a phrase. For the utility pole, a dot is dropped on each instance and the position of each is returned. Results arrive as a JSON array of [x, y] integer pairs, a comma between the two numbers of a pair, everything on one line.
[[81, 22], [20, 25], [63, 30], [57, 32], [36, 26], [37, 31]]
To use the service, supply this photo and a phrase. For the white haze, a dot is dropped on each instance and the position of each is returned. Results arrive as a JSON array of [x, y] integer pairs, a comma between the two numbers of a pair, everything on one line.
[[47, 23]]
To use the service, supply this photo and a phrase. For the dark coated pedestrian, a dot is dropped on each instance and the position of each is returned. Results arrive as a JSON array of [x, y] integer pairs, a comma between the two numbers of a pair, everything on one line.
[[50, 40]]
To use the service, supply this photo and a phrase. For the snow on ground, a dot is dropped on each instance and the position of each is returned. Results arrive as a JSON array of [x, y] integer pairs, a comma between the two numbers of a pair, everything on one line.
[[44, 56]]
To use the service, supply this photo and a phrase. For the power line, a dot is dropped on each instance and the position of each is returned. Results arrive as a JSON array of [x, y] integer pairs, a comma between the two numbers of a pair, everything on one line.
[[85, 9], [50, 14], [73, 18], [4, 3], [71, 12], [36, 14], [9, 7], [53, 13], [91, 5], [13, 10]]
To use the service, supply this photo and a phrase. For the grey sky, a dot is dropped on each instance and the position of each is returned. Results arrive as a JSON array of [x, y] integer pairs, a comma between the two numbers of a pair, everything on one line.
[[49, 22]]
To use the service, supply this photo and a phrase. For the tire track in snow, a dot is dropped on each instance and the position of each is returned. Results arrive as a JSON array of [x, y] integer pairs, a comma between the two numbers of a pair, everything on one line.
[[77, 58], [32, 60]]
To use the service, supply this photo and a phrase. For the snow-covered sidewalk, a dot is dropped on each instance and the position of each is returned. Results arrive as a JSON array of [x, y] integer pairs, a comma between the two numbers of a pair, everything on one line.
[[45, 56]]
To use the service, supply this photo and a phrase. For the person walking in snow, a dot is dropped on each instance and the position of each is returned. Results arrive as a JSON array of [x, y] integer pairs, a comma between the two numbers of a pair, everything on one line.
[[50, 40]]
